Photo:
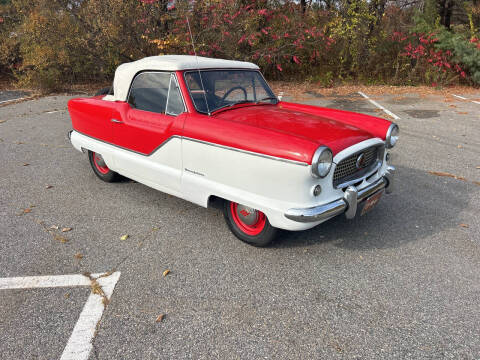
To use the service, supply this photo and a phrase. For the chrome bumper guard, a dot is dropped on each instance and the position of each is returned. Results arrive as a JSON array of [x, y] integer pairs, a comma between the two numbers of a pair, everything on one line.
[[347, 204]]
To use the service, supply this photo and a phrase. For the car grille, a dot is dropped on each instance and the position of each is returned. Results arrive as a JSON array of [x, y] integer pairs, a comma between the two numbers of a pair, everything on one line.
[[346, 169]]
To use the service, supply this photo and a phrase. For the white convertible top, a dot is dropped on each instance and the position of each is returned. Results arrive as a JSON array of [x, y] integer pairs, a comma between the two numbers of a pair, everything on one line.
[[125, 72]]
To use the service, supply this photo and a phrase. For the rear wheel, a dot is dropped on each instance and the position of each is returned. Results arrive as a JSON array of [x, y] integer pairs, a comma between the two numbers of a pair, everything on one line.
[[248, 224], [100, 168]]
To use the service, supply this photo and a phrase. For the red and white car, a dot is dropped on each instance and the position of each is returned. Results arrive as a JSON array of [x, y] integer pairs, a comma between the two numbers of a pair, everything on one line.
[[210, 130]]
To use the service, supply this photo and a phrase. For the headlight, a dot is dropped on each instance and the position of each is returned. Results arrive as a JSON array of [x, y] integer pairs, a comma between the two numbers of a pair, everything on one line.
[[322, 162], [392, 136]]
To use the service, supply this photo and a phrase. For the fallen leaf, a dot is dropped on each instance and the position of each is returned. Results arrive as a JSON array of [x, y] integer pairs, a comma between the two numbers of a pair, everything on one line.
[[48, 186], [462, 112], [459, 146], [78, 256], [124, 237], [96, 288], [464, 225], [445, 174], [67, 295], [166, 272], [26, 164], [476, 182], [19, 142], [2, 121], [54, 227], [478, 167], [60, 238], [27, 210], [65, 229], [160, 318]]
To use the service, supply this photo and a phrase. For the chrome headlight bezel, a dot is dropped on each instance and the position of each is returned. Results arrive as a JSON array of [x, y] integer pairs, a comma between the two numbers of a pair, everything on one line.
[[322, 162], [391, 138]]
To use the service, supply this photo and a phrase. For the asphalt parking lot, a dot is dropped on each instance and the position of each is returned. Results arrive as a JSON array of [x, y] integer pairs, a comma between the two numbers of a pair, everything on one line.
[[401, 282]]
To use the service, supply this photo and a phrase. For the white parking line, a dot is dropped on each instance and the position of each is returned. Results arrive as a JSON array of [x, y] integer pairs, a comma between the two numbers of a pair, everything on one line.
[[79, 344], [380, 106], [5, 101], [31, 282], [464, 98]]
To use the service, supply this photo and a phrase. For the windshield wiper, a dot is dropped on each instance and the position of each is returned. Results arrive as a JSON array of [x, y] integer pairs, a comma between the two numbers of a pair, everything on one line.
[[245, 102], [232, 104]]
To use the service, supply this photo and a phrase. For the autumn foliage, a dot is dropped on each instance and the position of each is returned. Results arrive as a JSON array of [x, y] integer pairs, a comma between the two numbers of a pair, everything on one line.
[[53, 43]]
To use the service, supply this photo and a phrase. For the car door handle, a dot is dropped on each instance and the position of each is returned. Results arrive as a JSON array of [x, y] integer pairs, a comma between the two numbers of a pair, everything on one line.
[[116, 121]]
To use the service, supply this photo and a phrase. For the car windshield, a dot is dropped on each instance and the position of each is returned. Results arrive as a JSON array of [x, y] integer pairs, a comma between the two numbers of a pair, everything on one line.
[[225, 88]]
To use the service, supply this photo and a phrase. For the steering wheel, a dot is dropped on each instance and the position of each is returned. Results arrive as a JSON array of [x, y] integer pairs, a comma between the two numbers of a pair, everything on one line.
[[233, 89]]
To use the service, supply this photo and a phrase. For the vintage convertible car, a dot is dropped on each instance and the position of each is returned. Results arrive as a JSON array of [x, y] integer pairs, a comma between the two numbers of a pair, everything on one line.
[[212, 131]]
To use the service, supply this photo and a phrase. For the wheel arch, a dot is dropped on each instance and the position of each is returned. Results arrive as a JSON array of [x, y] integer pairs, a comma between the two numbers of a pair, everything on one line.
[[215, 202]]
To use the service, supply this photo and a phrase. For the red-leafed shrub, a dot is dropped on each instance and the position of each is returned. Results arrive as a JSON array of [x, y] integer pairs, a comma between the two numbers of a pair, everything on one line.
[[278, 38]]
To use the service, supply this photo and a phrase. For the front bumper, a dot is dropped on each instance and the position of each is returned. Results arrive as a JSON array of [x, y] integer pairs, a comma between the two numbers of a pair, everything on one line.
[[348, 204]]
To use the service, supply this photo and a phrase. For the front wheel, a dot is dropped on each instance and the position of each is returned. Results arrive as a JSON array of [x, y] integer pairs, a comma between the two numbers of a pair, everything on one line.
[[100, 168], [248, 224]]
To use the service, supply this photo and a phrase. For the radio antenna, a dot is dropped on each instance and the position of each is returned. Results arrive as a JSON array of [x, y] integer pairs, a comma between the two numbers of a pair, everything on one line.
[[198, 66]]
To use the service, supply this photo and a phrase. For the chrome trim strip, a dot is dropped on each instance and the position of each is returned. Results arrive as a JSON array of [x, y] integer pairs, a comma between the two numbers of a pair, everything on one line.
[[348, 204], [357, 148], [124, 148], [248, 152], [202, 142]]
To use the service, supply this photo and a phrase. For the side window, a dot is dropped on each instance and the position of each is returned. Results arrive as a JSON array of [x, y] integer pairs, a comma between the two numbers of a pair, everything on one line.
[[175, 103], [149, 92]]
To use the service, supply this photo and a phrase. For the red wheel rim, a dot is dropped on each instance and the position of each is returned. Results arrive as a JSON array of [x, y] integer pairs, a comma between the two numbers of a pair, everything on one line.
[[248, 220], [100, 163]]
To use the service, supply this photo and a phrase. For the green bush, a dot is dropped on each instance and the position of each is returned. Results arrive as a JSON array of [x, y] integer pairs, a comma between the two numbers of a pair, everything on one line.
[[465, 52]]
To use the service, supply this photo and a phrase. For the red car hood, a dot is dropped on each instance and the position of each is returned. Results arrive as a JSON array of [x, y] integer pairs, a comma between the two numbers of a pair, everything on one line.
[[322, 130]]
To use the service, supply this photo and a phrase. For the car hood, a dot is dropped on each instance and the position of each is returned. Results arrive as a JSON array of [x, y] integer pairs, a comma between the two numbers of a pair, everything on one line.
[[333, 133]]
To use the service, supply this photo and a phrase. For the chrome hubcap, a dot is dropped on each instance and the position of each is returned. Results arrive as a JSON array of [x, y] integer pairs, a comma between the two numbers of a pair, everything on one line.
[[247, 215], [99, 160]]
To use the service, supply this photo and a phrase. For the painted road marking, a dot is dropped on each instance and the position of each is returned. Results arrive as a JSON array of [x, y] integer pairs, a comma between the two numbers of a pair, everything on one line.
[[464, 98], [5, 101], [79, 344], [380, 106]]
